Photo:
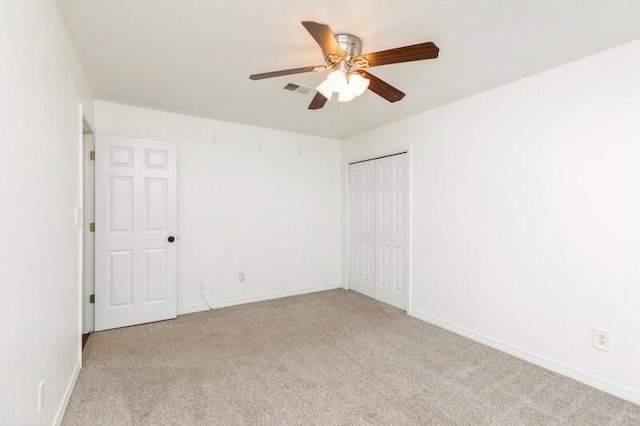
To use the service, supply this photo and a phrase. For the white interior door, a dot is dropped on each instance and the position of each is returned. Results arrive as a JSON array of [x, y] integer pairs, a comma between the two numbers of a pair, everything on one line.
[[362, 186], [136, 224], [88, 257], [378, 229], [391, 230]]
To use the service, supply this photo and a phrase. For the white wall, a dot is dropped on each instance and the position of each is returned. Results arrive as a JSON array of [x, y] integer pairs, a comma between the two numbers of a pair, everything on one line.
[[253, 200], [41, 86], [526, 215]]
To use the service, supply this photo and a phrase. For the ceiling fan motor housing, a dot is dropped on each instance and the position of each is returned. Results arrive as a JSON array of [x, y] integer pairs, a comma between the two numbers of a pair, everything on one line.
[[350, 45]]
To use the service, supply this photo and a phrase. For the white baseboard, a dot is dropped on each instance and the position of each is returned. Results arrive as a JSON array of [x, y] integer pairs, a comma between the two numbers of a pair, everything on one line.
[[67, 394], [605, 385], [242, 300]]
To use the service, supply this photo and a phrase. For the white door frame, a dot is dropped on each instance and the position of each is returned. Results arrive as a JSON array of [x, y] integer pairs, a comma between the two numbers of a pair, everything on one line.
[[84, 128], [347, 215], [88, 236]]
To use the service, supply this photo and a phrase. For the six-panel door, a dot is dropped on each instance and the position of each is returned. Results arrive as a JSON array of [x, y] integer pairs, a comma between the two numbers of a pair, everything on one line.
[[136, 213]]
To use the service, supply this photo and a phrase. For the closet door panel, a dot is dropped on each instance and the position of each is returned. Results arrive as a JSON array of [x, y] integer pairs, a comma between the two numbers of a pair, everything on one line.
[[391, 239], [362, 227]]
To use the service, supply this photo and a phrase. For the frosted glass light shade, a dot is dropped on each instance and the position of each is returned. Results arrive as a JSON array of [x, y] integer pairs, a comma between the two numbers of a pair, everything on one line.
[[348, 89], [338, 80], [335, 82], [358, 84], [326, 89], [346, 94]]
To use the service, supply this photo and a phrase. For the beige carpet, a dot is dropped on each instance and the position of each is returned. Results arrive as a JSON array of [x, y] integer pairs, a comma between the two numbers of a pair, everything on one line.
[[334, 357]]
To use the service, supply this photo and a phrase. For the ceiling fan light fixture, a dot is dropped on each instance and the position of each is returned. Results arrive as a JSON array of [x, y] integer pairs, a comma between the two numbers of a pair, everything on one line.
[[346, 94], [358, 84], [343, 56], [348, 88], [338, 80], [326, 89]]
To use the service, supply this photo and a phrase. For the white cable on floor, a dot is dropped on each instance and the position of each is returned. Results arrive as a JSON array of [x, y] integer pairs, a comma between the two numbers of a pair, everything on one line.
[[203, 295]]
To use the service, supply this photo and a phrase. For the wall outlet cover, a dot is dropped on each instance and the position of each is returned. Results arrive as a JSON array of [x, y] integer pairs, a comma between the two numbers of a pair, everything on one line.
[[601, 340]]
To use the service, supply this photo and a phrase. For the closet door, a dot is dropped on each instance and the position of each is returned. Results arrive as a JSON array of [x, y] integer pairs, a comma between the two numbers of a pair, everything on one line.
[[391, 230], [362, 210]]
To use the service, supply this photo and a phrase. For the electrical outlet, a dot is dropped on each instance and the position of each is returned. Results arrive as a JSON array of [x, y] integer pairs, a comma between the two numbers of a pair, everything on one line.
[[601, 340], [241, 277], [41, 395]]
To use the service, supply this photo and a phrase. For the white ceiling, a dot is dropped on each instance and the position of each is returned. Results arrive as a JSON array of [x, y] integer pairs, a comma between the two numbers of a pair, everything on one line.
[[195, 56]]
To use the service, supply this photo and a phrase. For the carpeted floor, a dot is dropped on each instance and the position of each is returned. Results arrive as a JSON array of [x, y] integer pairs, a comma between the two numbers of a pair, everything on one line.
[[333, 357]]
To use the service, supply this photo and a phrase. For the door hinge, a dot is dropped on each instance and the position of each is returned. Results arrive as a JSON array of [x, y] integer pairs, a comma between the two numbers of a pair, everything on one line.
[[92, 227], [92, 298], [92, 155]]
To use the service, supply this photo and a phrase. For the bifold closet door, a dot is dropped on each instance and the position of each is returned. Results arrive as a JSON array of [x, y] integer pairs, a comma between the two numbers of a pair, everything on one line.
[[378, 229], [391, 230], [362, 186]]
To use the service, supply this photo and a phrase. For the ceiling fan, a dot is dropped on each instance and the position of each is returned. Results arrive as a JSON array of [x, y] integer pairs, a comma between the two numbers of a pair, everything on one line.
[[342, 55]]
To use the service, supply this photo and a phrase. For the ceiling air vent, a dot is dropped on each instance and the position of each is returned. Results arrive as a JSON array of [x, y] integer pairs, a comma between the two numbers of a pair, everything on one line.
[[298, 88]]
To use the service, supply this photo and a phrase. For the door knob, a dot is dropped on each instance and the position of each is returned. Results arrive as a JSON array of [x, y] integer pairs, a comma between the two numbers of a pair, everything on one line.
[[171, 239]]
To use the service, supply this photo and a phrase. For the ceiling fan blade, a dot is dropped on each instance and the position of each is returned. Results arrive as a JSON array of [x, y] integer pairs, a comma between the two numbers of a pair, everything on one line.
[[324, 37], [416, 52], [318, 101], [287, 72], [382, 88]]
